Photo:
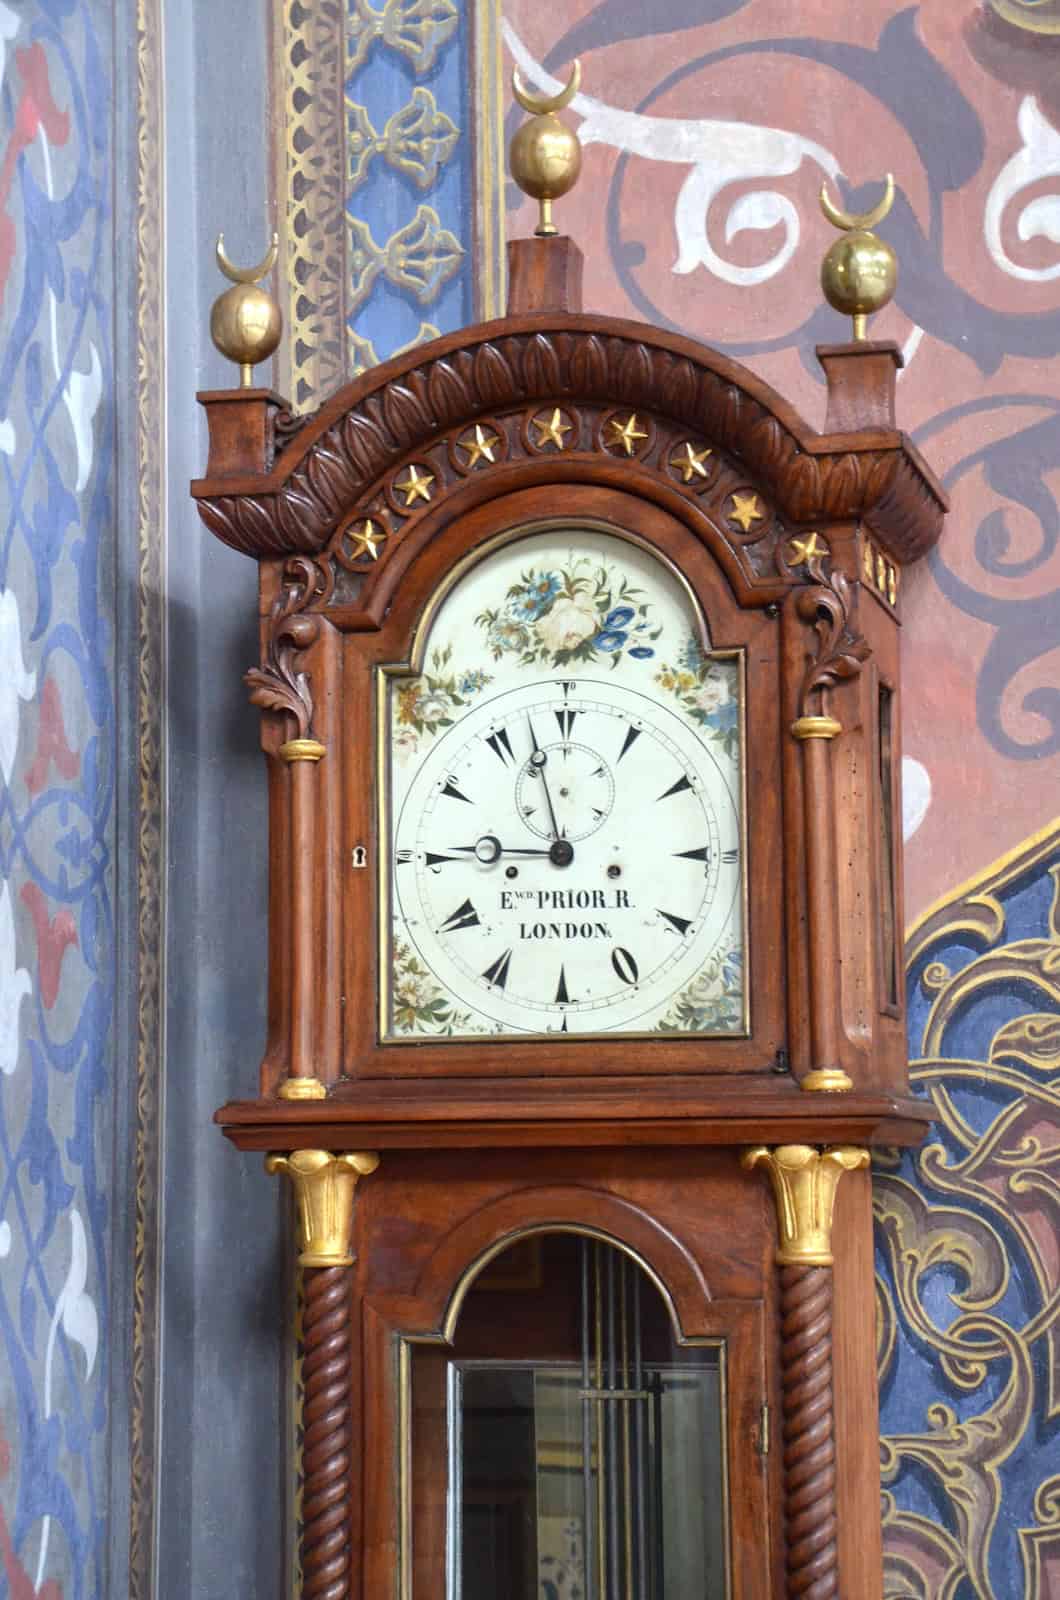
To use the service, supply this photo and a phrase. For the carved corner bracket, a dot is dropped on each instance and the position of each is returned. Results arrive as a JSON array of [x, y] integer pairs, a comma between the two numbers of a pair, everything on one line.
[[324, 1186], [278, 685], [805, 1181]]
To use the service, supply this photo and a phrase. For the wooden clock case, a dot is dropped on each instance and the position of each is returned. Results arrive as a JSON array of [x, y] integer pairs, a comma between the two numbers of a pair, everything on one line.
[[634, 1141]]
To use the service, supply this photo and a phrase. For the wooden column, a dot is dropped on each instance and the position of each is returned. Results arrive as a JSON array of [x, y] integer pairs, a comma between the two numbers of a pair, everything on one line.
[[805, 1181]]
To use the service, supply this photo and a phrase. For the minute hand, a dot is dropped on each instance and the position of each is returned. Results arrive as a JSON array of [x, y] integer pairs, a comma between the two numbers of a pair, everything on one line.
[[538, 761]]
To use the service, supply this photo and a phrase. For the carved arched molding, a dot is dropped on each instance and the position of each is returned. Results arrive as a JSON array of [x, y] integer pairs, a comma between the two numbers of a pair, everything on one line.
[[347, 460], [461, 1254]]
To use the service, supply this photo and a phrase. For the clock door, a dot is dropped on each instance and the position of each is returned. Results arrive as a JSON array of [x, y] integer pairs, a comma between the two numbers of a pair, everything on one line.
[[568, 1445]]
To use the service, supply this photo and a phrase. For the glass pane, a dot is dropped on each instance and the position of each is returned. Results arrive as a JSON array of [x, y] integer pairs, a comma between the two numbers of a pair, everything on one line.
[[596, 1477]]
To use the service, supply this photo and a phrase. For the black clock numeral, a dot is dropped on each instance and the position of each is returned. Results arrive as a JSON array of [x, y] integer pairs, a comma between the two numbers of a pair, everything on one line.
[[598, 815], [730, 856], [632, 735], [464, 916], [682, 924], [625, 966], [453, 792], [565, 719], [501, 746], [684, 782], [497, 973], [562, 997], [528, 811], [568, 687], [404, 857], [702, 854]]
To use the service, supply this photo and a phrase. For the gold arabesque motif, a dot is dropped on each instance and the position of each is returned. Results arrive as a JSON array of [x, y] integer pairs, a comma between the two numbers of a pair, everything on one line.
[[417, 140], [977, 1207]]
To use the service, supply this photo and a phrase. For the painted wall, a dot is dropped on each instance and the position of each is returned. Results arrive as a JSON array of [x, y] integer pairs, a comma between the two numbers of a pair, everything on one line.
[[57, 795]]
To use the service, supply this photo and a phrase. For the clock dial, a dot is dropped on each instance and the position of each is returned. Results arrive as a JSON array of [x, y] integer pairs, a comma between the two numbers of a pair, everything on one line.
[[565, 843]]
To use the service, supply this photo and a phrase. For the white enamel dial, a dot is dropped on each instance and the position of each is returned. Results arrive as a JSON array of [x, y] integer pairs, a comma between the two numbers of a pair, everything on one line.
[[567, 857]]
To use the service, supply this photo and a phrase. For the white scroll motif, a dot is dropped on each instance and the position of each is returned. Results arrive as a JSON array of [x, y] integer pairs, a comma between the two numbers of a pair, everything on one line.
[[719, 153], [1038, 160]]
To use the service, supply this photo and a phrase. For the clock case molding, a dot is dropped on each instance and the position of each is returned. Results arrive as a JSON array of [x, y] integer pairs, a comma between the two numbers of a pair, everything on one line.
[[636, 1141]]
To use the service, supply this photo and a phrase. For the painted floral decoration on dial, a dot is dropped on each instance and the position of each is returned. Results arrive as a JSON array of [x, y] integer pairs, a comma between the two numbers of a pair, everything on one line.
[[565, 850], [585, 612]]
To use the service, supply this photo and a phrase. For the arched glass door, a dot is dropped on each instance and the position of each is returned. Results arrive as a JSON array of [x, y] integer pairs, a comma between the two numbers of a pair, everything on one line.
[[584, 1453]]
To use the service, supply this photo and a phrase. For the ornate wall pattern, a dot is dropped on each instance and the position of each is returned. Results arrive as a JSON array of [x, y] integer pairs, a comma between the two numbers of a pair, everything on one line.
[[57, 786], [967, 1229], [375, 180]]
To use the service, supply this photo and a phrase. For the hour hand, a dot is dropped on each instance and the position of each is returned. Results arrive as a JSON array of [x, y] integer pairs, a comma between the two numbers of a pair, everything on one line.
[[489, 849]]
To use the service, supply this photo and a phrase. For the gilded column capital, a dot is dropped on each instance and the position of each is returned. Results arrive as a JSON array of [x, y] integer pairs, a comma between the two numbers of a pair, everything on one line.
[[324, 1183], [805, 1181]]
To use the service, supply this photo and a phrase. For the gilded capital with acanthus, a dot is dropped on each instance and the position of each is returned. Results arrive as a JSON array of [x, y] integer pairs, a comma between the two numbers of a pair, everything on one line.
[[805, 1181], [324, 1183]]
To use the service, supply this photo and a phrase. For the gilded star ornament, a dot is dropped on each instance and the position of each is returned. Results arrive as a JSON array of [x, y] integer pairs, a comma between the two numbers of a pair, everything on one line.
[[805, 549], [745, 511], [417, 486], [367, 539], [689, 462], [552, 431], [479, 445], [624, 435]]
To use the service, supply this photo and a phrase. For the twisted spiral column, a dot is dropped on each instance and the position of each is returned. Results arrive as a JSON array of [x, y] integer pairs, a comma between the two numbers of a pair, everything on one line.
[[327, 1436], [809, 1444]]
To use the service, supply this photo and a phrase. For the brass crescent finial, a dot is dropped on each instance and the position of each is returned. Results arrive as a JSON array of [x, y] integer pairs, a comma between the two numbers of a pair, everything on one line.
[[865, 220], [245, 321], [247, 274], [860, 271], [540, 105], [545, 155]]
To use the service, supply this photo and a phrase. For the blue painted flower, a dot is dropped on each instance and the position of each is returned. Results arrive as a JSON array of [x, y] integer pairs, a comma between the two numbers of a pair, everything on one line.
[[724, 718], [641, 652], [472, 682], [619, 617], [611, 639], [540, 591]]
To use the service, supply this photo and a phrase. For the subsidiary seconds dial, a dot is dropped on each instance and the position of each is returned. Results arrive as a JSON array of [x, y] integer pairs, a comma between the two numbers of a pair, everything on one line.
[[566, 859]]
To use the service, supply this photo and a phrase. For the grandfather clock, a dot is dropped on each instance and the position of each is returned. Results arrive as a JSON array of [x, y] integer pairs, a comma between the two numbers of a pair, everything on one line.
[[581, 714]]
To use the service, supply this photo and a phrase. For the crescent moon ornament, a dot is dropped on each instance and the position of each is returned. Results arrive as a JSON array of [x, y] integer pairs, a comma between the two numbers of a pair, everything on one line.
[[247, 274], [245, 321], [863, 221], [541, 105], [545, 156]]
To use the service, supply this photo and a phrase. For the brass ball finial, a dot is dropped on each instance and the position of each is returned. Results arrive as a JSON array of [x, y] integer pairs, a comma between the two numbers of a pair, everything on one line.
[[545, 155], [245, 321], [860, 271]]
